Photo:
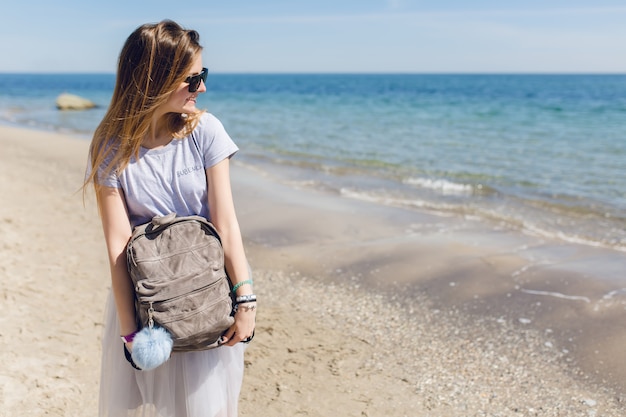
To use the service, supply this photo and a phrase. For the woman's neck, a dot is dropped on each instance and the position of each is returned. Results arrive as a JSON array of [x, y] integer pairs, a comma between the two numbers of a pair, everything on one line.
[[158, 136]]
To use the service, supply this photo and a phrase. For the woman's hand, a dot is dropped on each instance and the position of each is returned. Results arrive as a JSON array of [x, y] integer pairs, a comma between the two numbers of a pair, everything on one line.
[[243, 328]]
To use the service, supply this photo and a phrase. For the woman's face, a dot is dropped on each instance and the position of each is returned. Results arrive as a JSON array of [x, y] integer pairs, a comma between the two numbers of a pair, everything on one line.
[[181, 100]]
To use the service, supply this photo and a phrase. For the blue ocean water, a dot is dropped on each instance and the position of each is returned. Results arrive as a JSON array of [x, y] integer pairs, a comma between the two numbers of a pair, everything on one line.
[[545, 154]]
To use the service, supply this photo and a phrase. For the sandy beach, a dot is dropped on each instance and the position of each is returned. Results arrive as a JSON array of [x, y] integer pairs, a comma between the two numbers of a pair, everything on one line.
[[365, 310]]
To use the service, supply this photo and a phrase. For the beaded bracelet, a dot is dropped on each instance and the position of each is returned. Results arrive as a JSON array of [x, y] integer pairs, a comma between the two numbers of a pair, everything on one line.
[[248, 298], [239, 284], [246, 308]]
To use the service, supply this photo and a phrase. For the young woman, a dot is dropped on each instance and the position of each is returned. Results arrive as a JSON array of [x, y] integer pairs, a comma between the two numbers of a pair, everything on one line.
[[155, 153]]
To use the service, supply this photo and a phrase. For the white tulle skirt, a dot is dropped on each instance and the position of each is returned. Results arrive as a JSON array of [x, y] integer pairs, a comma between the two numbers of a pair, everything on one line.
[[189, 384]]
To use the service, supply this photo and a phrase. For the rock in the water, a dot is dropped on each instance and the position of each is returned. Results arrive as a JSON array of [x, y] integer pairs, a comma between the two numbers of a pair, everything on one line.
[[72, 102]]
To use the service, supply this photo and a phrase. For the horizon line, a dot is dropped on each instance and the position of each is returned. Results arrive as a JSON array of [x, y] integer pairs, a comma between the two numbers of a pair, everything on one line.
[[340, 72]]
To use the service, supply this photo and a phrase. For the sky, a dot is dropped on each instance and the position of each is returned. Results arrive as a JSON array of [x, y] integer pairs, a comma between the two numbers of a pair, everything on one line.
[[336, 36]]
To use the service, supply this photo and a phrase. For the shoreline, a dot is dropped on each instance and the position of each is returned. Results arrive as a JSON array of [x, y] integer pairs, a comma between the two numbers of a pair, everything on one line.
[[564, 290], [365, 309]]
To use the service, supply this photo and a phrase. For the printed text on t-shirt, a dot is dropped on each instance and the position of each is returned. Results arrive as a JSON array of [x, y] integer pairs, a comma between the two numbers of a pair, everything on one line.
[[188, 171]]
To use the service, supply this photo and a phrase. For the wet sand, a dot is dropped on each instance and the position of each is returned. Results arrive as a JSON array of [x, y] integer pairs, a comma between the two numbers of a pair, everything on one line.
[[365, 310]]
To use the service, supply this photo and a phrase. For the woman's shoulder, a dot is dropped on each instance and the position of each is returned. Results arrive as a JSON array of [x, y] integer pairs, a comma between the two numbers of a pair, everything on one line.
[[209, 128], [210, 131], [209, 121]]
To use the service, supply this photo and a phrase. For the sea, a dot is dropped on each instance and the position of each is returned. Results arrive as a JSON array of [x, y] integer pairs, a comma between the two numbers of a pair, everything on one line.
[[542, 154]]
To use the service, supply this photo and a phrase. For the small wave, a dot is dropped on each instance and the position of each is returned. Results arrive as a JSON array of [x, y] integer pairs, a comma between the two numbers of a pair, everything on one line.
[[500, 217], [440, 209], [557, 295], [572, 238], [445, 187]]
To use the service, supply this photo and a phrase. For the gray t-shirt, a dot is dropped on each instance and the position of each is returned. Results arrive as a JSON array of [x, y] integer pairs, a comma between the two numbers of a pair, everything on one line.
[[172, 178]]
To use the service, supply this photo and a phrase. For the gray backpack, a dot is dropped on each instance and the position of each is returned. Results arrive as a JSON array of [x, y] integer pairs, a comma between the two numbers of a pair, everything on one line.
[[177, 267]]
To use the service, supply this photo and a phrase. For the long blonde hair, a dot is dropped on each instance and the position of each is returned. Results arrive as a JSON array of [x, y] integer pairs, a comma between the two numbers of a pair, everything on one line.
[[154, 61]]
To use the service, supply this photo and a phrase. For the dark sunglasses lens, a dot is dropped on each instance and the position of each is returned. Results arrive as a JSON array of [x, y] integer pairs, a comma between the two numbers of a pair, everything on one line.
[[194, 82]]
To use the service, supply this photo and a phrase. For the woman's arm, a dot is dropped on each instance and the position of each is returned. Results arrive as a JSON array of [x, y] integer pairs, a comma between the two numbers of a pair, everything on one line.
[[117, 231], [224, 218]]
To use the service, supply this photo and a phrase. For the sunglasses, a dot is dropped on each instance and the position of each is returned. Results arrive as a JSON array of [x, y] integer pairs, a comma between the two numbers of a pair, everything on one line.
[[195, 80]]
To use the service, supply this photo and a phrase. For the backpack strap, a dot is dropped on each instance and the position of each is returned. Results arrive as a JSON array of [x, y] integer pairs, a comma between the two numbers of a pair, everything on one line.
[[197, 146]]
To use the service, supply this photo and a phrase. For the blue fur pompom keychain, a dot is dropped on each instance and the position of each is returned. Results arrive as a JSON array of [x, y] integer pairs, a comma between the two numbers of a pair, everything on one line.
[[152, 346]]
